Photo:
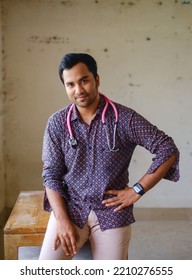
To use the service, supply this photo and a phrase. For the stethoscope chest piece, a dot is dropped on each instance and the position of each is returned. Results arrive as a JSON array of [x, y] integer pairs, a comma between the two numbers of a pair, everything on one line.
[[73, 143]]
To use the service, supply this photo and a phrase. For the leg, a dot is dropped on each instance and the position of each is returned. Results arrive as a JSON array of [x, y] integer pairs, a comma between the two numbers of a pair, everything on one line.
[[10, 247], [110, 244], [47, 253]]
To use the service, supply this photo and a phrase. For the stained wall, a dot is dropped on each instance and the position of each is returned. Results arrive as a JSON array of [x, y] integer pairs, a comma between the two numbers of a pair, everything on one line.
[[143, 50], [2, 179]]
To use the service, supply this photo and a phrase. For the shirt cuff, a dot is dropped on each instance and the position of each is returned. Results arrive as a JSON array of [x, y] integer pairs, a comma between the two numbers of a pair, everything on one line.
[[55, 186], [173, 173]]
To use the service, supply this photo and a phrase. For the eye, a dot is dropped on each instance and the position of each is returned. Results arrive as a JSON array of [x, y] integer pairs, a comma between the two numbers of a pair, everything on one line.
[[84, 81], [69, 85]]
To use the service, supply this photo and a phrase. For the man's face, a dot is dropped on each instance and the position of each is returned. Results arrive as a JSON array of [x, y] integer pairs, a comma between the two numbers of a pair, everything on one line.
[[81, 86]]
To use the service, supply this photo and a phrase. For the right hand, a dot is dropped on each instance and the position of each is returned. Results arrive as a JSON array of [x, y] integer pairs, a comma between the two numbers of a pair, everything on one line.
[[66, 236]]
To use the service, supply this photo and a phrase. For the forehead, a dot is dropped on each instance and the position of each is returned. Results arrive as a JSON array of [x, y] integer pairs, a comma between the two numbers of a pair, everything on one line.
[[76, 73]]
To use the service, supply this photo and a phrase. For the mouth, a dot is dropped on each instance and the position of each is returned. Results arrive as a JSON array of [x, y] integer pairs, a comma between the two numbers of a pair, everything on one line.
[[81, 97]]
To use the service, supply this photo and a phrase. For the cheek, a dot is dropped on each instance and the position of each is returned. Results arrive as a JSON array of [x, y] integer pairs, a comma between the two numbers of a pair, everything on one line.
[[92, 88], [69, 93]]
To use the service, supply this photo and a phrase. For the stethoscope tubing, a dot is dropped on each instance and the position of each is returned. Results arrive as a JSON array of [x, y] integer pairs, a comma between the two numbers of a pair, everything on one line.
[[73, 141], [108, 101]]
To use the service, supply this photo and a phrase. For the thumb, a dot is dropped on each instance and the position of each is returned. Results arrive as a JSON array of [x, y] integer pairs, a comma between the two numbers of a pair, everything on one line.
[[56, 243]]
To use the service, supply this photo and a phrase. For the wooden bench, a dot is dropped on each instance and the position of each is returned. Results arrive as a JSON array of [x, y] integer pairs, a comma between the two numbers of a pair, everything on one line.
[[26, 225]]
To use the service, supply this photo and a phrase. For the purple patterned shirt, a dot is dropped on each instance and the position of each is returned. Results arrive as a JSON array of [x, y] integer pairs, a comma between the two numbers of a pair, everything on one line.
[[81, 175]]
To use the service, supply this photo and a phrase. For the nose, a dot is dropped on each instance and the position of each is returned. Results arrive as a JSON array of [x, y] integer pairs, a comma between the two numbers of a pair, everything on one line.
[[78, 89]]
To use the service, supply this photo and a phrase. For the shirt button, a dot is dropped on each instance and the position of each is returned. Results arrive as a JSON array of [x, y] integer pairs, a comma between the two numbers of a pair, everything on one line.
[[90, 147]]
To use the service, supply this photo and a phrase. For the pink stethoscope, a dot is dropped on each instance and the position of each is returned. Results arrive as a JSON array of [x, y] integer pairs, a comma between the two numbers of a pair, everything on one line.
[[73, 140]]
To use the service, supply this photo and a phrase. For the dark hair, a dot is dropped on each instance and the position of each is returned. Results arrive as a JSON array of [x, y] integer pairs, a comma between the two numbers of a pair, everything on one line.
[[71, 59]]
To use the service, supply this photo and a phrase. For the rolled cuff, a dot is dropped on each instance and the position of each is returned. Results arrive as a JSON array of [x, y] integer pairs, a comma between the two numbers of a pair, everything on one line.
[[55, 186], [173, 173]]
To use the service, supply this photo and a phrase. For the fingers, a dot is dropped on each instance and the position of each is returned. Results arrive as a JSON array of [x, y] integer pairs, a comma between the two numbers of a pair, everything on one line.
[[120, 207], [113, 200], [121, 199], [68, 243], [115, 192], [69, 246]]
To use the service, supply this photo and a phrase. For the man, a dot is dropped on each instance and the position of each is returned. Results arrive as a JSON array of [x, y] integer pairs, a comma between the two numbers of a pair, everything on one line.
[[87, 150]]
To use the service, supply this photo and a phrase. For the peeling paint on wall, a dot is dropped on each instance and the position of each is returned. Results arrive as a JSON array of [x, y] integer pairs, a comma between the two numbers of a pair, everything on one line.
[[183, 2], [186, 2], [48, 39]]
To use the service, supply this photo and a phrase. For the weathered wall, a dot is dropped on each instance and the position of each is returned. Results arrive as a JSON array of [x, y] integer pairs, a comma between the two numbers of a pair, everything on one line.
[[143, 49], [2, 182]]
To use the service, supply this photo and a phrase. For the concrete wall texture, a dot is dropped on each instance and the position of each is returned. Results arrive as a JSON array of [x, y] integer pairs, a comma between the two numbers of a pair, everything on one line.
[[143, 50], [2, 185]]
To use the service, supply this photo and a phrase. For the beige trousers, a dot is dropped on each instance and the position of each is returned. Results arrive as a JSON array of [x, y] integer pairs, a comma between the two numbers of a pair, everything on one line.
[[111, 244]]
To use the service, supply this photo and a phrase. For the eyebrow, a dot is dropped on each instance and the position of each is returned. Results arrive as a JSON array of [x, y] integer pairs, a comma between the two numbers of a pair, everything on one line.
[[84, 77]]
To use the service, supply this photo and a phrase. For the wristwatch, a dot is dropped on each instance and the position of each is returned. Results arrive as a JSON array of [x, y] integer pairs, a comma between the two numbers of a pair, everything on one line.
[[138, 189]]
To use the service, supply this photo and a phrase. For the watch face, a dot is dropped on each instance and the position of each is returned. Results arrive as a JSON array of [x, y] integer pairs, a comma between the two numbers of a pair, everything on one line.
[[137, 188]]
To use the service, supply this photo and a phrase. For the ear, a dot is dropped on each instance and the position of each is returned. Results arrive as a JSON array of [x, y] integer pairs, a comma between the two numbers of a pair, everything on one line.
[[97, 80]]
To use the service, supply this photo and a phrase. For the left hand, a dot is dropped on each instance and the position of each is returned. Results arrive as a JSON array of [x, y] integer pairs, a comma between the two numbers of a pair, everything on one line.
[[122, 198]]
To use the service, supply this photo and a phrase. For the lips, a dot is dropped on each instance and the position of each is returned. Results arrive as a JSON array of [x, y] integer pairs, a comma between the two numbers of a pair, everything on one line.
[[81, 97]]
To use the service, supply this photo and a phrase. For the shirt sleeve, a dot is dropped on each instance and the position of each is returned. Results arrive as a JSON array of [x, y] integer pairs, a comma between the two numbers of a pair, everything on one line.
[[53, 161], [145, 134]]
